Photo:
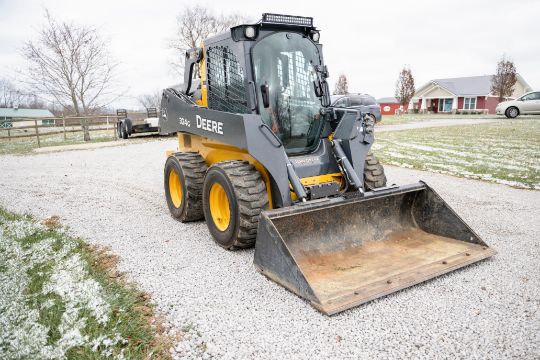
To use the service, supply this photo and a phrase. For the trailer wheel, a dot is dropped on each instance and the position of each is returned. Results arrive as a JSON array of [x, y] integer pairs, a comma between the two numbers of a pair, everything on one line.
[[123, 131], [128, 125], [374, 176], [234, 194], [183, 181]]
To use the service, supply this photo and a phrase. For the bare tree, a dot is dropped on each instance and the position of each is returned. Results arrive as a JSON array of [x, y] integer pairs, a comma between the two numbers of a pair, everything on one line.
[[502, 83], [405, 86], [342, 86], [69, 63], [196, 23], [151, 100], [11, 96]]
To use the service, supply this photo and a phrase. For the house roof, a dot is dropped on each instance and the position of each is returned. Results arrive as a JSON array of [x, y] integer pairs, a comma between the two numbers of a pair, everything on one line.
[[470, 85], [391, 100], [23, 113]]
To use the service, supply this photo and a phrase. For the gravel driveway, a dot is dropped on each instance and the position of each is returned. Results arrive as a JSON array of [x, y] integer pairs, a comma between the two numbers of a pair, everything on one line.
[[114, 197]]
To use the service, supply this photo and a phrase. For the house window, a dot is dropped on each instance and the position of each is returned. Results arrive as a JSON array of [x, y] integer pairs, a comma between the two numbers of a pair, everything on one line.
[[469, 103], [5, 123], [47, 122], [445, 105]]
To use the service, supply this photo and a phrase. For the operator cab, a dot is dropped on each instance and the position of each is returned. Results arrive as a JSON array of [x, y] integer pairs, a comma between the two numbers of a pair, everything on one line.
[[282, 79]]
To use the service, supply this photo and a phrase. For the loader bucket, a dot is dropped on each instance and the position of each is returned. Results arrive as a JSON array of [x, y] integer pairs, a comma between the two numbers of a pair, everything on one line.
[[339, 253]]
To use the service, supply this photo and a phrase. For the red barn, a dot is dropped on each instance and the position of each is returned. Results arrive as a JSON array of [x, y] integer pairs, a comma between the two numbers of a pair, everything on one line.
[[389, 105]]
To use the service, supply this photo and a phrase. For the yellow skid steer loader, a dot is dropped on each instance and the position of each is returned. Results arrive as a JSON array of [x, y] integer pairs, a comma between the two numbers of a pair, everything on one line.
[[266, 160]]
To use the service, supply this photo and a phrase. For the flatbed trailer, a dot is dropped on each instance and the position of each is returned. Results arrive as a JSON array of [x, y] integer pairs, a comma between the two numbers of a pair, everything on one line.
[[126, 127]]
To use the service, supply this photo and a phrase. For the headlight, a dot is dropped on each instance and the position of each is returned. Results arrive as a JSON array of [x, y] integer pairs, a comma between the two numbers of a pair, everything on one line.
[[250, 32], [315, 35]]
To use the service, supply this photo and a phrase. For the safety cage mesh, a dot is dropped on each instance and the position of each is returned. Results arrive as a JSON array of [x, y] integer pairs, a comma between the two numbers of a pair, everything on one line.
[[226, 89]]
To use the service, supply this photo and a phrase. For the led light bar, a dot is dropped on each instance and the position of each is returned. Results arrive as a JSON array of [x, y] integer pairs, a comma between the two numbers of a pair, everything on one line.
[[287, 19]]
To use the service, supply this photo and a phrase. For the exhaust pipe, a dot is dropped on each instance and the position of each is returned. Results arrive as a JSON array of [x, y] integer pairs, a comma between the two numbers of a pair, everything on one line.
[[339, 253]]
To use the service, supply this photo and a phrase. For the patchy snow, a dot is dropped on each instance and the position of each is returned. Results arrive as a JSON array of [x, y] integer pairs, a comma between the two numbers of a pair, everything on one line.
[[70, 280], [505, 152], [21, 333], [19, 229]]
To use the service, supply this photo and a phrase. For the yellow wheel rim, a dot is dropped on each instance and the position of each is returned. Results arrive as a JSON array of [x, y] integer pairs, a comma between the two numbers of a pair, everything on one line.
[[219, 207], [175, 188]]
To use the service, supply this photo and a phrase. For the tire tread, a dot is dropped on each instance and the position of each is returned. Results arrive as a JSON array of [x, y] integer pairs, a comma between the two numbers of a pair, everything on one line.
[[194, 168], [251, 196], [374, 176]]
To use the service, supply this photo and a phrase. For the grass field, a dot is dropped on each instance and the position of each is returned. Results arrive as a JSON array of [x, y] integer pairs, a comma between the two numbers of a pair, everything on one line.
[[408, 118], [62, 299], [26, 145], [506, 151]]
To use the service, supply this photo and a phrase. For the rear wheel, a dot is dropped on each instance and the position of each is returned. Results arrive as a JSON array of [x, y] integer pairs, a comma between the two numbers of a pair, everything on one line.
[[234, 195], [183, 181], [512, 112], [374, 176]]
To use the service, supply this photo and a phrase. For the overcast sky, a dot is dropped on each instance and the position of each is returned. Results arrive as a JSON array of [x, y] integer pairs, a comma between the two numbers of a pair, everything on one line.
[[369, 41]]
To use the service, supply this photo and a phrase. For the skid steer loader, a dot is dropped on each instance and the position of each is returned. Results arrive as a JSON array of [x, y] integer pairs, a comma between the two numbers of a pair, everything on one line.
[[265, 160]]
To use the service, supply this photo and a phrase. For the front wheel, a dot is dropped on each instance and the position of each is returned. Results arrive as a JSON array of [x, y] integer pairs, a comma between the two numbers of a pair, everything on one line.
[[374, 176], [234, 195], [512, 112]]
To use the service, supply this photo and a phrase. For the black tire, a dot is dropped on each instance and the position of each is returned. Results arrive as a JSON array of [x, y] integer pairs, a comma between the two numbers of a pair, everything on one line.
[[247, 197], [128, 126], [190, 169], [374, 176], [123, 131], [512, 112], [372, 116]]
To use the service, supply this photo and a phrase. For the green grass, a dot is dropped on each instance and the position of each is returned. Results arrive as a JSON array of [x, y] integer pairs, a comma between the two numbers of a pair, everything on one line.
[[61, 298], [506, 151]]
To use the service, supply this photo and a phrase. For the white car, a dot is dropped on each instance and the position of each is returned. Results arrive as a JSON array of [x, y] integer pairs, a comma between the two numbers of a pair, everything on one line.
[[526, 104]]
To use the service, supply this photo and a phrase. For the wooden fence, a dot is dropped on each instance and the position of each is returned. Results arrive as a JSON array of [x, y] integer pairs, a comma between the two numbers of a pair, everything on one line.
[[20, 128]]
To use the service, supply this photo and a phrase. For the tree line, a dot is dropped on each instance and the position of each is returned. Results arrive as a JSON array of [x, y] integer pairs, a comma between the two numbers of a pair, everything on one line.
[[69, 67]]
